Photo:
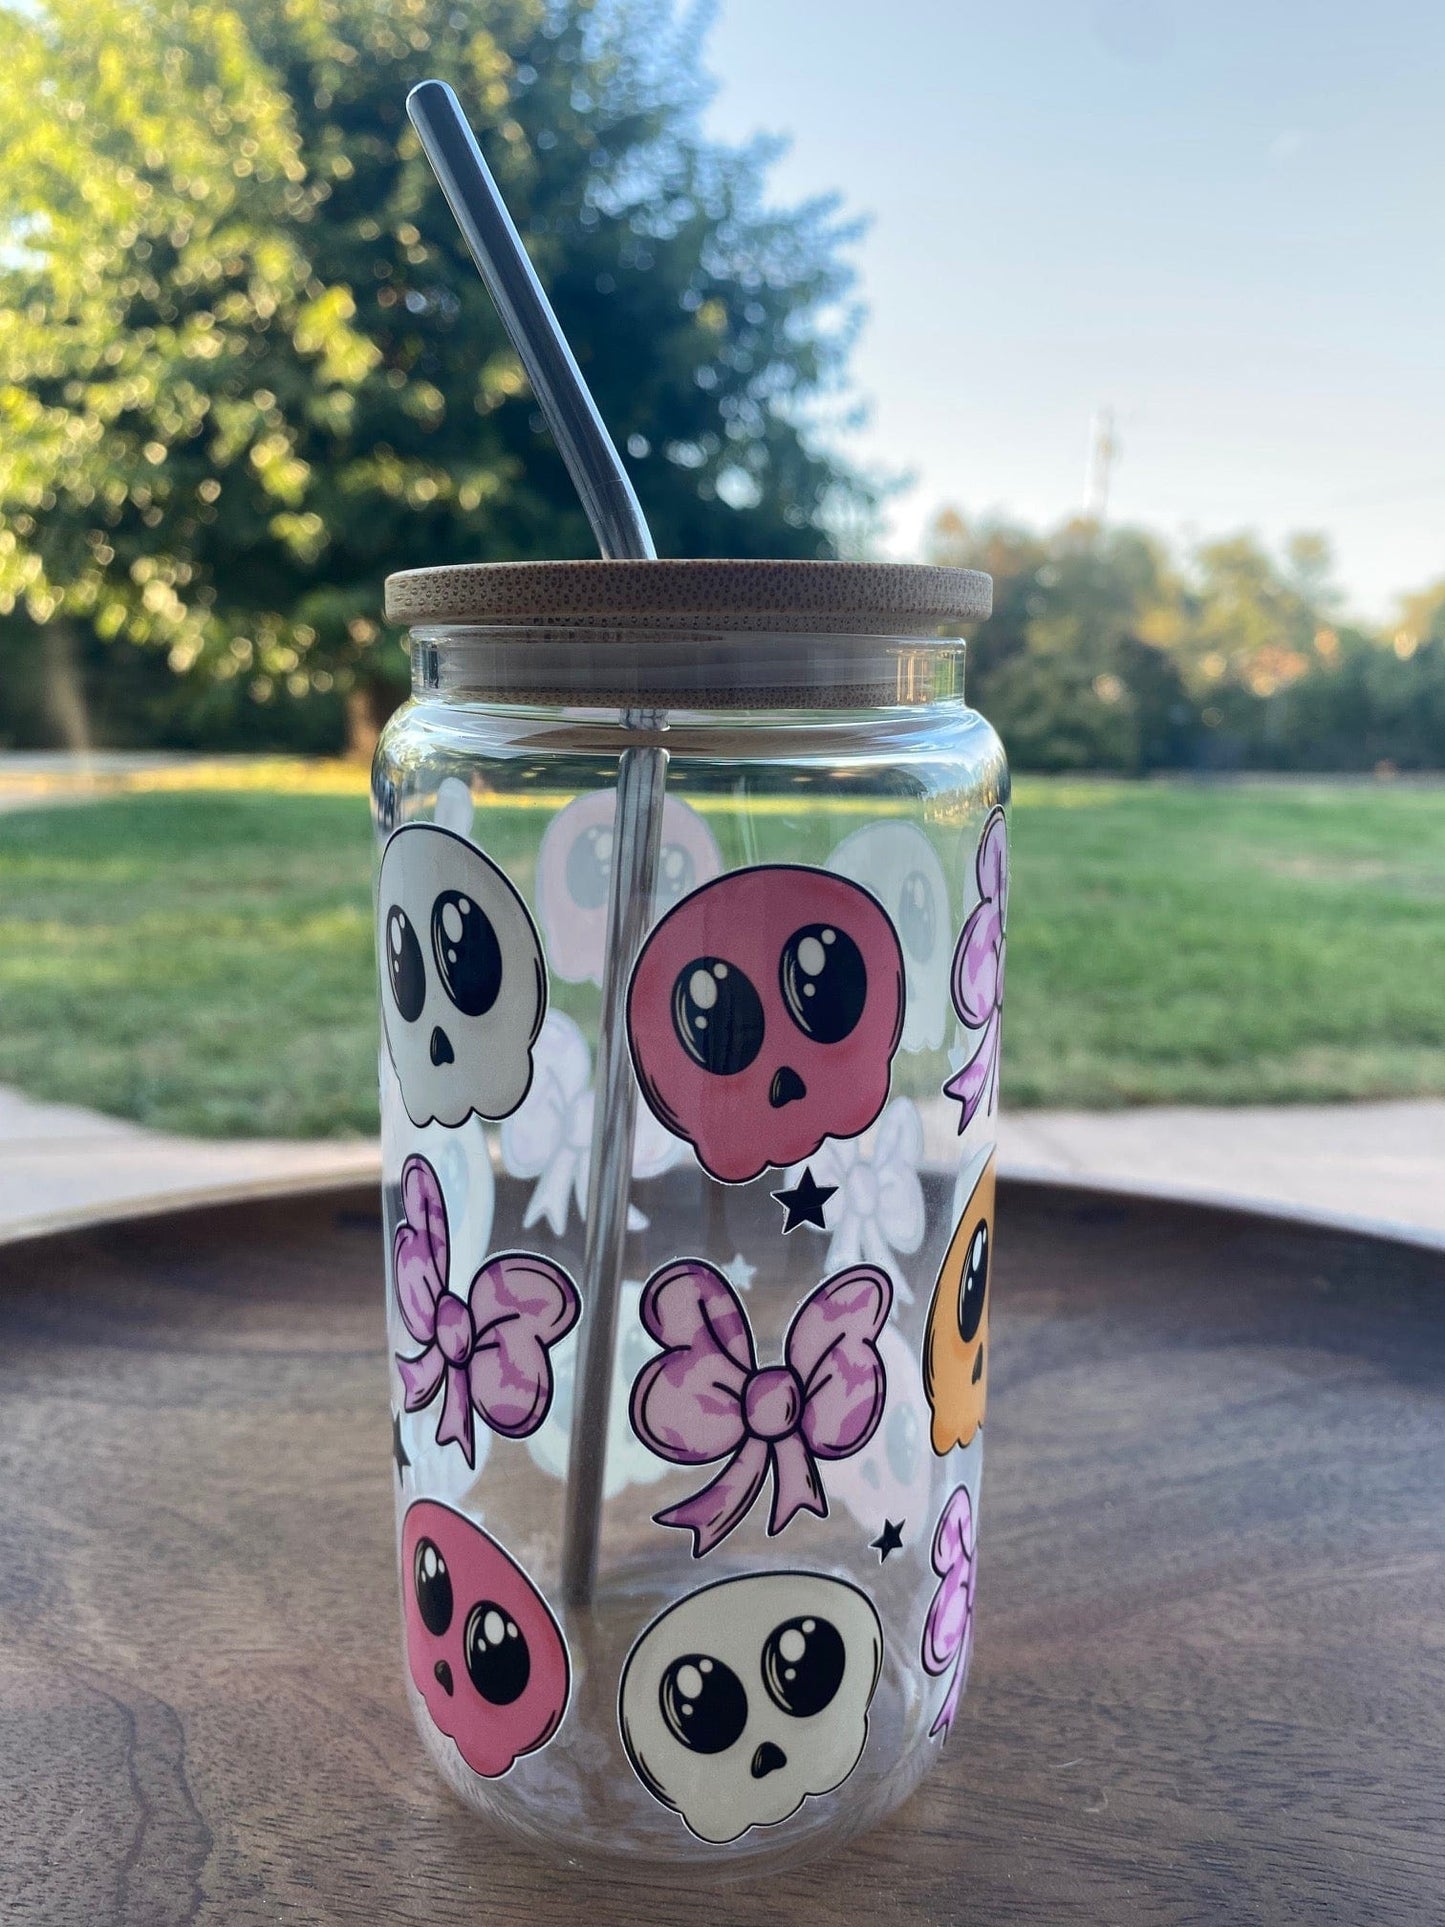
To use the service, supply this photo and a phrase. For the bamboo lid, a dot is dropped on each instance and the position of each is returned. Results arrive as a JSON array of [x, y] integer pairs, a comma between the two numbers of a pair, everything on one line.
[[819, 598]]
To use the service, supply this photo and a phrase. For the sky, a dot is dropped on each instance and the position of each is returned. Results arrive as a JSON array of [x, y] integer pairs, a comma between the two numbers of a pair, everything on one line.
[[1222, 221]]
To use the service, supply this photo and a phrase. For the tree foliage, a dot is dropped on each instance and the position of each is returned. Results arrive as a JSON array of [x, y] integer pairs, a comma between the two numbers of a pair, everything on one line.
[[246, 365], [1105, 651], [1070, 666]]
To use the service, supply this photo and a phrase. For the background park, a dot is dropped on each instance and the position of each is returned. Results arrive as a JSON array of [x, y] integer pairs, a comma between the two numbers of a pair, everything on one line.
[[245, 367]]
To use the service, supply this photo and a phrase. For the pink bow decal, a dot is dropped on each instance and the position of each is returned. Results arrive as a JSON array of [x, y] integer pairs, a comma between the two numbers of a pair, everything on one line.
[[489, 1348], [948, 1629], [705, 1397], [978, 971]]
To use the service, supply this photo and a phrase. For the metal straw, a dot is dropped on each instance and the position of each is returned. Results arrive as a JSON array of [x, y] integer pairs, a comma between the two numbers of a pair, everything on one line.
[[617, 521]]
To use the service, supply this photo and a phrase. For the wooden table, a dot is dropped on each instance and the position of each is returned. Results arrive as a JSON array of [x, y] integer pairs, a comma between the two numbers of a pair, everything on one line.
[[1210, 1677]]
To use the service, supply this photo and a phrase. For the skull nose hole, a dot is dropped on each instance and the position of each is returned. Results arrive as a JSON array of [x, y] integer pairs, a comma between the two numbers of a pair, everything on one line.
[[786, 1087], [768, 1759], [444, 1677], [441, 1047]]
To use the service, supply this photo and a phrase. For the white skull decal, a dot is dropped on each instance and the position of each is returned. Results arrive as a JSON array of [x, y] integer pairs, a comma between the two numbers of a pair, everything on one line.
[[898, 864], [749, 1695], [463, 985]]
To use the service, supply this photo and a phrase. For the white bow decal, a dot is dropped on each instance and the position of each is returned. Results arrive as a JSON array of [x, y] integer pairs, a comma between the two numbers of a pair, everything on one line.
[[550, 1137]]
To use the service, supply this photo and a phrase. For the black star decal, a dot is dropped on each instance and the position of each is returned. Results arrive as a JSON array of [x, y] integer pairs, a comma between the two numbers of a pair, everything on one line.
[[398, 1450], [804, 1203], [890, 1539]]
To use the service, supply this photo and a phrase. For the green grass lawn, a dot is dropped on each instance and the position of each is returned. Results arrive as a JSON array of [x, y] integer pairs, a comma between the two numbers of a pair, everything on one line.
[[202, 961]]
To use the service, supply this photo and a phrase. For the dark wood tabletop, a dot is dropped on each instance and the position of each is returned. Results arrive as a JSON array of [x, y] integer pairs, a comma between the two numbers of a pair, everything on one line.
[[1210, 1675]]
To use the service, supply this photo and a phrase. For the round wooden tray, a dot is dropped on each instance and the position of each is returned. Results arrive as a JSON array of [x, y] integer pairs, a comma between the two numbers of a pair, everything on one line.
[[1208, 1683]]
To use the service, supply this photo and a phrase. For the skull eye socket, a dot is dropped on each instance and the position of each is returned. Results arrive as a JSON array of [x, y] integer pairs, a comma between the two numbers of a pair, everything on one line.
[[432, 1584], [404, 966], [675, 873], [804, 1661], [468, 956], [718, 1016], [915, 916], [589, 867], [495, 1650], [973, 1286], [824, 982], [703, 1703]]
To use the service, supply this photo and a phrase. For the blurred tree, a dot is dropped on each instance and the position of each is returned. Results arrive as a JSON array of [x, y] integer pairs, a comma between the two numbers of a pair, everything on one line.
[[1249, 630], [1104, 653], [1246, 620], [1067, 667], [1366, 702], [1422, 620], [246, 365]]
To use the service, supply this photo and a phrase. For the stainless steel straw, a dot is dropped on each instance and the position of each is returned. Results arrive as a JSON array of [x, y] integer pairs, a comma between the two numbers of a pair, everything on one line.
[[617, 521]]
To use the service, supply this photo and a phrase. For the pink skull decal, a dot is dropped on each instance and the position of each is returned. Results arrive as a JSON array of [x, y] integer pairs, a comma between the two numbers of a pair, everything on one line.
[[574, 876], [484, 1650], [764, 1012]]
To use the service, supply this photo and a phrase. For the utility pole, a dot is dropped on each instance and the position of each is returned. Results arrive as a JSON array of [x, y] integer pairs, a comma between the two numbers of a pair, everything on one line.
[[1103, 453]]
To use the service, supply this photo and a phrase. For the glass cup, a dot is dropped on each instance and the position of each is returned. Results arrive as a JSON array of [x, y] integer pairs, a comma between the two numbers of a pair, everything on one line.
[[762, 1644]]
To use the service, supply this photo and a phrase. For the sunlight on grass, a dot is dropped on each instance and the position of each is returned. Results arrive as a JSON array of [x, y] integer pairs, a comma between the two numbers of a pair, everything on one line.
[[262, 775]]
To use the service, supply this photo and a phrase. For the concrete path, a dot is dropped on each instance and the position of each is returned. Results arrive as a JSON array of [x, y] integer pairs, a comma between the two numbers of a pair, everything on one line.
[[1374, 1166], [1379, 1167], [60, 1165]]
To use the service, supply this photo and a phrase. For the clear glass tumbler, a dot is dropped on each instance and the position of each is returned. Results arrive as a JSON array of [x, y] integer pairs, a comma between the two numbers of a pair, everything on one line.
[[718, 1608]]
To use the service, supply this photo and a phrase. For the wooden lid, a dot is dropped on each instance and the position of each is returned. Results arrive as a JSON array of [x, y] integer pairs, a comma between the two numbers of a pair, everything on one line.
[[819, 598]]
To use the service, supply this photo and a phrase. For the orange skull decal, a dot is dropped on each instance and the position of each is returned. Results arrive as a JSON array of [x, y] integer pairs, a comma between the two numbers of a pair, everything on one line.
[[955, 1360]]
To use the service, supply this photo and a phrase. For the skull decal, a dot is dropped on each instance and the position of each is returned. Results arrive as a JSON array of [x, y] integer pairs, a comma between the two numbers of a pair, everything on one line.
[[484, 1650], [763, 1015], [892, 1477], [746, 1697], [955, 1362], [574, 876], [898, 864], [463, 985]]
